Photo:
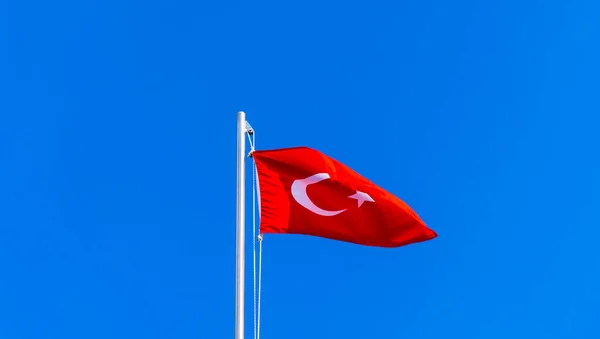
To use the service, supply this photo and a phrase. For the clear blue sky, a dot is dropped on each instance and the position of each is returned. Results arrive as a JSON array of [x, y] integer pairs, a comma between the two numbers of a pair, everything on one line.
[[117, 165]]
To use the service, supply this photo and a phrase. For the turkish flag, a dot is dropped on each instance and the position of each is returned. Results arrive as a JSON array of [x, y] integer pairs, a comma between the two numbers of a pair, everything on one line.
[[303, 191]]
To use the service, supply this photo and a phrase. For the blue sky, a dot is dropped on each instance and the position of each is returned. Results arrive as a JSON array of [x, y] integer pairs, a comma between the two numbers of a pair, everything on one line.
[[117, 153]]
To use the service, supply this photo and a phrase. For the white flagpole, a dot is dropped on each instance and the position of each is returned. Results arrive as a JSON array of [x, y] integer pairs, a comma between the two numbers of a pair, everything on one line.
[[240, 226]]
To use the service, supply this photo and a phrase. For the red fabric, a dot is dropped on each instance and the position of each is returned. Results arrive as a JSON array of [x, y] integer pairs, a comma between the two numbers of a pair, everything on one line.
[[386, 221]]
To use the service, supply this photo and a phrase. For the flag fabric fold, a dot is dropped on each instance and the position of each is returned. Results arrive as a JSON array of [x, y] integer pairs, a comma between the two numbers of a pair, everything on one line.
[[303, 191]]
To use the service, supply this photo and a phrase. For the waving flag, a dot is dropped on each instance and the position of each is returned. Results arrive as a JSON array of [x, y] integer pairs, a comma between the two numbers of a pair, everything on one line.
[[303, 191]]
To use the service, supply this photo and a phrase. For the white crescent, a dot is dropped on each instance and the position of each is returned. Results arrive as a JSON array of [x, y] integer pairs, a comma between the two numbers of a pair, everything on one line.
[[299, 193]]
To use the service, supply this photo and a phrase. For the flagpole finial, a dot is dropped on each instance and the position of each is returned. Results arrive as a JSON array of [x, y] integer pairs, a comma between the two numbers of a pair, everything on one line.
[[247, 127]]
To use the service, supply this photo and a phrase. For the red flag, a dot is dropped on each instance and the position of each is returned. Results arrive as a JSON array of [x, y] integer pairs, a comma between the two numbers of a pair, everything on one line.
[[303, 191]]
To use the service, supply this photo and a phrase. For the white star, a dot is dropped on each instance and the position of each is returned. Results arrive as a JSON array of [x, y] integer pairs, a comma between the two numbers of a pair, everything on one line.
[[361, 197]]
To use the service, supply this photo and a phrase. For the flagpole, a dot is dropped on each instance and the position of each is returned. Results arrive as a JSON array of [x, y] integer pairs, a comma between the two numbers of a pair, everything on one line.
[[240, 226]]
